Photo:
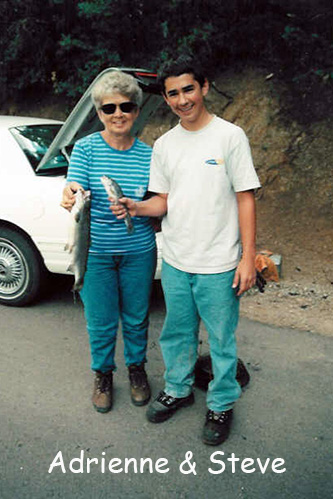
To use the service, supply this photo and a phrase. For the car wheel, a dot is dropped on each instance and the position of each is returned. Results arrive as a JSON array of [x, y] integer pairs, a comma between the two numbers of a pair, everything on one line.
[[21, 269]]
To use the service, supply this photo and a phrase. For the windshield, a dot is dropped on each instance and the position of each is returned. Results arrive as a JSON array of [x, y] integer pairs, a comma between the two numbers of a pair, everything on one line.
[[35, 140]]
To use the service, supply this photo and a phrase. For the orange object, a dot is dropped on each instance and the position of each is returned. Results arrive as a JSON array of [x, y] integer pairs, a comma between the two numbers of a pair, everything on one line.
[[267, 267], [265, 252]]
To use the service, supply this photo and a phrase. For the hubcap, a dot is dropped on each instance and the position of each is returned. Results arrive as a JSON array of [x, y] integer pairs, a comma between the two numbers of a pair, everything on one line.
[[13, 269]]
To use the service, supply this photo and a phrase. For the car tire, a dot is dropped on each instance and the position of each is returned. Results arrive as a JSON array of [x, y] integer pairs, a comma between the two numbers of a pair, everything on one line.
[[22, 270]]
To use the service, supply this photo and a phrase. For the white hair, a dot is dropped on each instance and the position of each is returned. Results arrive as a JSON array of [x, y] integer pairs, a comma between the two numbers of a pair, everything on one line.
[[116, 82]]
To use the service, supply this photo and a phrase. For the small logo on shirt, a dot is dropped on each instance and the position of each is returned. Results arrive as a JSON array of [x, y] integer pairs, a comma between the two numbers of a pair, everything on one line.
[[139, 191], [214, 162]]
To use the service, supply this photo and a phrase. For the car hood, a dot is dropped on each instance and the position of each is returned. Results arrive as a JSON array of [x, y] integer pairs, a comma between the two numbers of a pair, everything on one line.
[[83, 120]]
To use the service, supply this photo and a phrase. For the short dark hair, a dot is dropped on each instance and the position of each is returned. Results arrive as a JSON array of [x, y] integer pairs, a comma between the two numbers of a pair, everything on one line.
[[181, 66]]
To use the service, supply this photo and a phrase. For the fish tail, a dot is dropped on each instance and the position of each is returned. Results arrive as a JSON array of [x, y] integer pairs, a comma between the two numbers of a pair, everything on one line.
[[74, 295], [129, 224], [78, 285]]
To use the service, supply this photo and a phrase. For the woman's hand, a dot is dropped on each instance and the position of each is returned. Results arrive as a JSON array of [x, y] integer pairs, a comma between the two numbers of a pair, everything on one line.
[[68, 195]]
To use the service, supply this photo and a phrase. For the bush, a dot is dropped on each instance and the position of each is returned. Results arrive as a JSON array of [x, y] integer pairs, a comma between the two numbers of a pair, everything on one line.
[[61, 45]]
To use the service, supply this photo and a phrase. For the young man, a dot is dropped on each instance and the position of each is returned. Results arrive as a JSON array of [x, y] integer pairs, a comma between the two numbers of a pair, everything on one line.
[[203, 173]]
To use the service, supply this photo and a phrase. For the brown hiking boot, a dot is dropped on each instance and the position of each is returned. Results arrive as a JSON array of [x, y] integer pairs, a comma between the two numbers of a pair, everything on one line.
[[140, 389], [102, 395]]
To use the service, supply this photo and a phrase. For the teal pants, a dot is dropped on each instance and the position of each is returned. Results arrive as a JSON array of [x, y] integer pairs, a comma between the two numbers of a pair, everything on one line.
[[189, 298], [117, 288]]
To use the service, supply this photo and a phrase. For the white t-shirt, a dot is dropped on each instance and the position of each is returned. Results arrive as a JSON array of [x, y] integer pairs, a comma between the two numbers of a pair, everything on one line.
[[201, 171]]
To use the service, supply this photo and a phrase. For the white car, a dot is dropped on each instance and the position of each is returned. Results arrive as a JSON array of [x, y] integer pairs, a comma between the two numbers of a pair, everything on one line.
[[34, 154]]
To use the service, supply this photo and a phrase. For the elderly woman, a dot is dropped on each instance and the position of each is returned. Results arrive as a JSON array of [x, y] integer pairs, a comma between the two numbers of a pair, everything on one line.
[[121, 265]]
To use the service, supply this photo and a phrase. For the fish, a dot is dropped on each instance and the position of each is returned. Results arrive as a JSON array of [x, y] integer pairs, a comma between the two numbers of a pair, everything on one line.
[[79, 237], [115, 192]]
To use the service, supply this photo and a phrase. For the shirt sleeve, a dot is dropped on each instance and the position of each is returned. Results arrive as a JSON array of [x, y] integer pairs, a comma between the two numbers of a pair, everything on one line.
[[79, 166], [240, 165], [158, 180]]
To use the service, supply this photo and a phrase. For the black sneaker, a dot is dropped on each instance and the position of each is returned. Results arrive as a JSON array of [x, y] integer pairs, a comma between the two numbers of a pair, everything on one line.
[[164, 406], [217, 427]]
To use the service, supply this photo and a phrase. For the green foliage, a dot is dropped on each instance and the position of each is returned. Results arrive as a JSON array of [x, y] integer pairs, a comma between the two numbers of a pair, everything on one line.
[[306, 62], [61, 45], [26, 51]]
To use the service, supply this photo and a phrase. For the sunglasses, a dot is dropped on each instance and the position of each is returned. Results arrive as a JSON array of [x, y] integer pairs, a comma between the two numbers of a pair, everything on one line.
[[125, 107]]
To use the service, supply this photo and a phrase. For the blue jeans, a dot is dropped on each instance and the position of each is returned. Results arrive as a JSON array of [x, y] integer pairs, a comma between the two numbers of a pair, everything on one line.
[[189, 298], [118, 287]]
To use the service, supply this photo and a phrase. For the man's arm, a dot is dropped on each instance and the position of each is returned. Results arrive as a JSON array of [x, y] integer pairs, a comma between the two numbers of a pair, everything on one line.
[[245, 276], [155, 206]]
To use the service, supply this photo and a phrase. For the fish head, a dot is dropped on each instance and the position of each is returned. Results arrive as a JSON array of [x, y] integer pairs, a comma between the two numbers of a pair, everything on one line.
[[82, 203], [112, 188], [86, 196], [81, 198], [87, 199]]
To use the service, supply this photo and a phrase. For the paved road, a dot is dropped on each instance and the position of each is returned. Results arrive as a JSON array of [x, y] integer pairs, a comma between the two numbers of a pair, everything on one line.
[[46, 417]]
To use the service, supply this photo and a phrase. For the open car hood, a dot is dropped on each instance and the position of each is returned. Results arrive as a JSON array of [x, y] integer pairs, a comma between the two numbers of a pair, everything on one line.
[[83, 120]]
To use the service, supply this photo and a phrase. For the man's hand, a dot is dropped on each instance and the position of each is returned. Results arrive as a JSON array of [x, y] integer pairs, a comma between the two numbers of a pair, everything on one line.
[[119, 210], [68, 195], [156, 206], [245, 276]]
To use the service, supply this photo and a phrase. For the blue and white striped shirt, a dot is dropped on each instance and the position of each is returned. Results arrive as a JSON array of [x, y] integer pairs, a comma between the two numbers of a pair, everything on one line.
[[91, 158]]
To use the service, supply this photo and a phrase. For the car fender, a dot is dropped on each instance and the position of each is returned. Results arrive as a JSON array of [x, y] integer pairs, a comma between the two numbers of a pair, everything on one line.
[[35, 210]]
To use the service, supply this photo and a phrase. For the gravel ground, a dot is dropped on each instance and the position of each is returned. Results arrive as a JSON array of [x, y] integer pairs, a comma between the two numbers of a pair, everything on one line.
[[289, 304]]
